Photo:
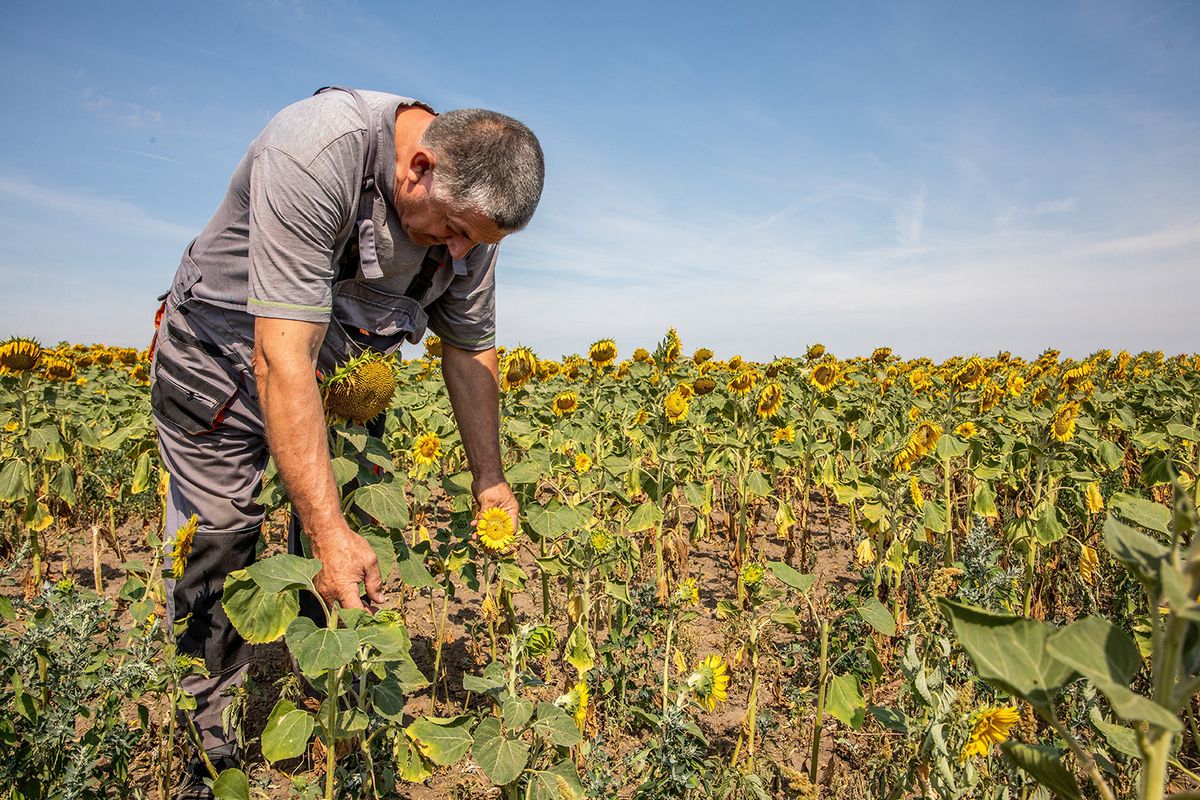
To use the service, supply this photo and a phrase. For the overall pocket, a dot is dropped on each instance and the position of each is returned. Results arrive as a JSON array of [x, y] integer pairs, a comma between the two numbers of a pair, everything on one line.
[[193, 380], [365, 318]]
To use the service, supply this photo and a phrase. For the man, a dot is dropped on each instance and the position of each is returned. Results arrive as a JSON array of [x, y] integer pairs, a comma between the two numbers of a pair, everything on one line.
[[269, 293]]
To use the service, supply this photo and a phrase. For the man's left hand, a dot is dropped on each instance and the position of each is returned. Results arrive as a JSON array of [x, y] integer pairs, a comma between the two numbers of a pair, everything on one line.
[[496, 493]]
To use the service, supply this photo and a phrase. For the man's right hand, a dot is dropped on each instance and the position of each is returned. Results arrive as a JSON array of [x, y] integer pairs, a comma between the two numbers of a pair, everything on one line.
[[346, 561]]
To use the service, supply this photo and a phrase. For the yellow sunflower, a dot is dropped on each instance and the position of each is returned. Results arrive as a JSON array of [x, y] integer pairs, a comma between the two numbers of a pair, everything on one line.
[[182, 548], [701, 355], [19, 355], [565, 403], [58, 369], [881, 355], [495, 530], [688, 592], [1089, 565], [990, 726], [520, 364], [709, 682], [641, 355], [824, 376], [603, 352], [1092, 498], [703, 386], [743, 382], [583, 463], [865, 553], [433, 346], [970, 374], [675, 406], [770, 400], [575, 703], [784, 434], [814, 351], [914, 490], [1062, 424], [966, 430], [427, 449]]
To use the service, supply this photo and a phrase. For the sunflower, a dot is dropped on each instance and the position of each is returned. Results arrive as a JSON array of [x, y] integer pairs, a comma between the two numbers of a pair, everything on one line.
[[990, 726], [703, 386], [881, 355], [824, 376], [641, 355], [864, 553], [752, 575], [603, 352], [600, 541], [361, 389], [709, 682], [687, 592], [641, 417], [427, 449], [685, 389], [989, 396], [1092, 498], [814, 351], [675, 406], [495, 530], [922, 442], [920, 379], [575, 703], [672, 348], [966, 430], [58, 369], [735, 363], [701, 355], [565, 403], [969, 375], [914, 490], [1062, 424], [770, 400], [1040, 395], [18, 355], [743, 382], [1075, 377], [182, 548], [583, 463], [1015, 385], [433, 346], [520, 364], [784, 434], [140, 374], [547, 370]]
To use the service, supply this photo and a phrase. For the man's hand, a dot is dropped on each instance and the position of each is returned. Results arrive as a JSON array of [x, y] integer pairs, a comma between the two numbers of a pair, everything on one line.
[[346, 560], [496, 493]]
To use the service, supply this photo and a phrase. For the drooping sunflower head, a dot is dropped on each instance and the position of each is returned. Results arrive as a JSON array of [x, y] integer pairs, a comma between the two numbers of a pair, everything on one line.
[[1015, 384], [495, 531], [864, 554], [603, 352], [641, 417], [18, 355], [914, 491], [881, 354], [1062, 424], [182, 547], [140, 374], [770, 400], [685, 389], [675, 407], [361, 389], [1040, 395], [969, 375], [814, 351], [824, 376], [743, 381], [565, 403], [547, 370], [990, 726], [433, 346], [575, 703], [1089, 565], [58, 369], [735, 363], [128, 356], [703, 386], [540, 640], [520, 364], [671, 347], [701, 355], [1092, 498], [641, 355], [990, 395], [709, 682], [427, 449]]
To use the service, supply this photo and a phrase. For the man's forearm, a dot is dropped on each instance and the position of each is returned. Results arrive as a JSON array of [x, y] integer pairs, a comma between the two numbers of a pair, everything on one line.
[[472, 379], [296, 434]]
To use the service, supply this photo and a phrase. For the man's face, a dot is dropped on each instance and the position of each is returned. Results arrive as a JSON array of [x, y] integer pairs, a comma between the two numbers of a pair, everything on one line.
[[429, 221]]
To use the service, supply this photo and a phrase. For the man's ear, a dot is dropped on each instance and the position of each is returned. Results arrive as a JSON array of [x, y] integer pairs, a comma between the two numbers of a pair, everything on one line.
[[420, 165]]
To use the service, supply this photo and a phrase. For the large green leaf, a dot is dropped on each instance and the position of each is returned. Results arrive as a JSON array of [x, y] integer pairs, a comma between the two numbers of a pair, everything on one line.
[[1108, 658], [385, 502], [844, 700], [523, 472], [1141, 553], [411, 569], [1009, 652], [1122, 739], [318, 650], [580, 653], [231, 784], [553, 519], [1045, 765], [283, 572], [287, 732], [1142, 511], [258, 615], [388, 699], [1049, 527], [877, 616], [12, 481], [644, 517], [385, 553], [556, 725], [501, 757], [799, 581], [443, 740], [548, 784]]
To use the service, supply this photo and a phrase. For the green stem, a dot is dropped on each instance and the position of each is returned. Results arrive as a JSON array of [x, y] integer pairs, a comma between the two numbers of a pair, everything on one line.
[[817, 723], [667, 665]]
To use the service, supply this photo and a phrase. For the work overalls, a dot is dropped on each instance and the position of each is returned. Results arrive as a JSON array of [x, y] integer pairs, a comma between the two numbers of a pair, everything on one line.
[[212, 439]]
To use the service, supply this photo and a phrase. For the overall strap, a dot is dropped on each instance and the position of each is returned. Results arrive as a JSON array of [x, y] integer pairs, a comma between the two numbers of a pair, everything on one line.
[[369, 196]]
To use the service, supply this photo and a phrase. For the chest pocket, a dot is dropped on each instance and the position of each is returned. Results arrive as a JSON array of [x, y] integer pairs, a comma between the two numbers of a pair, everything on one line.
[[368, 318]]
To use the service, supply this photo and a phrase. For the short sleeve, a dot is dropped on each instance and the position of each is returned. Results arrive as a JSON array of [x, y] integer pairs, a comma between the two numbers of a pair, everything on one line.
[[295, 220], [465, 314]]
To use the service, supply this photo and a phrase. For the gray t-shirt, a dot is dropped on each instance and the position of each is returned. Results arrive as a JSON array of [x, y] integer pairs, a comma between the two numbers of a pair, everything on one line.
[[272, 245]]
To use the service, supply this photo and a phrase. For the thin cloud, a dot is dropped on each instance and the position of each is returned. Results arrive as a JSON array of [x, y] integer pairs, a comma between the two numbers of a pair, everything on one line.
[[144, 154], [109, 213]]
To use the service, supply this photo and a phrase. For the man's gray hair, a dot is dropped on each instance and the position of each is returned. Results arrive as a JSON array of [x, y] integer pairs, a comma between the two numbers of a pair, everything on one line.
[[487, 162]]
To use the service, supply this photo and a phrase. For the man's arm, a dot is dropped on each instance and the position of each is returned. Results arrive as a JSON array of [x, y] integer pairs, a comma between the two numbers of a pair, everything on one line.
[[473, 380], [285, 358]]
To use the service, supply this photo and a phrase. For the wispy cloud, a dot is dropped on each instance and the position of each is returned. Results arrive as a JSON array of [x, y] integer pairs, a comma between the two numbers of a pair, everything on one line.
[[112, 214], [131, 114], [144, 154]]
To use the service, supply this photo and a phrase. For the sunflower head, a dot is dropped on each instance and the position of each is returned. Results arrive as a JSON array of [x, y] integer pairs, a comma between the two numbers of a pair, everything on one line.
[[495, 531], [709, 682], [58, 369], [361, 389], [433, 346], [702, 355], [1062, 424], [583, 463], [182, 548], [600, 541], [966, 430], [520, 364], [565, 403], [140, 374], [641, 355], [824, 376], [784, 434], [814, 351], [670, 347], [675, 407], [770, 400], [752, 575], [575, 703], [685, 389], [687, 592], [969, 375], [990, 725], [18, 355], [735, 363], [427, 449], [743, 381], [703, 386], [881, 355], [603, 352]]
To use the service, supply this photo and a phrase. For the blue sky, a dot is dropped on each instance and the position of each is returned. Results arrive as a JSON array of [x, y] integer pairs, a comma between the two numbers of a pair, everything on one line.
[[937, 177]]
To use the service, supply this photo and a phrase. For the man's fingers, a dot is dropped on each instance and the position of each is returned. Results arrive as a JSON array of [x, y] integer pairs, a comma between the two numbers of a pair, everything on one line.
[[374, 582], [349, 597]]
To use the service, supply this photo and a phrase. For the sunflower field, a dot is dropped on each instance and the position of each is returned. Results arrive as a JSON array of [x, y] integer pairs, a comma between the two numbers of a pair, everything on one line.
[[817, 577]]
